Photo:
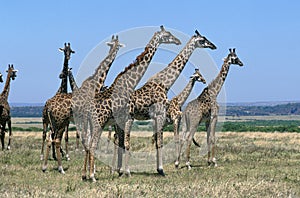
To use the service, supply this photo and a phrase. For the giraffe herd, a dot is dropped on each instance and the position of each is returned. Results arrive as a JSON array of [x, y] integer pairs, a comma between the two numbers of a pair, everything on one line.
[[92, 106]]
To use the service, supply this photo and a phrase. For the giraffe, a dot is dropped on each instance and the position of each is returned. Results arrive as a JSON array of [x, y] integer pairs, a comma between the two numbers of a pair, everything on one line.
[[5, 108], [108, 106], [94, 84], [174, 110], [63, 89], [150, 101], [64, 74], [60, 110], [205, 108]]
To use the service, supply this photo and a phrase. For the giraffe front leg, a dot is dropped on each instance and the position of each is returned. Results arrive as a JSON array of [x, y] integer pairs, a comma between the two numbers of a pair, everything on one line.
[[159, 144], [10, 134], [83, 176], [212, 141], [127, 129], [92, 165], [192, 124], [176, 140], [58, 153]]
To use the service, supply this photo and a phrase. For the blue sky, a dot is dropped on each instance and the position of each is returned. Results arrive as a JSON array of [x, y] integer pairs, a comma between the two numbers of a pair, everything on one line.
[[266, 35]]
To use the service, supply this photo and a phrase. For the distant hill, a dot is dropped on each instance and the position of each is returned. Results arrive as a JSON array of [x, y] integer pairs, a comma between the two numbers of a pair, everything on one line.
[[240, 109]]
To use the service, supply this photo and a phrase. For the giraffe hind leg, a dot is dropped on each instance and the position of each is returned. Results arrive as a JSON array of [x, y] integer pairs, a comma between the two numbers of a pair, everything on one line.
[[10, 134], [2, 134]]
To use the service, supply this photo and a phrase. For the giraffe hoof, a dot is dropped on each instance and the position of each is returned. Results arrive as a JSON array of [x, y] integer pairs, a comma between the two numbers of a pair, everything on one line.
[[83, 177], [176, 165], [8, 148], [161, 172], [61, 171], [128, 174]]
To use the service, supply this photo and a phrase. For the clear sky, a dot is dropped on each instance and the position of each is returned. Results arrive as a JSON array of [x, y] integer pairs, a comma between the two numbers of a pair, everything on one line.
[[266, 35]]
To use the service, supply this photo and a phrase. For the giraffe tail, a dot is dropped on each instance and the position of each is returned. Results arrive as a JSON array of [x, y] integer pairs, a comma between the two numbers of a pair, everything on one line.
[[196, 143]]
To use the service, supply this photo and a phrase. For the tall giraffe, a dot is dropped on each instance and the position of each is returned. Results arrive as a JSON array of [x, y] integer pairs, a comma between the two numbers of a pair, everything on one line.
[[150, 101], [61, 107], [63, 89], [205, 108], [64, 74], [5, 108], [92, 85], [108, 105], [174, 110]]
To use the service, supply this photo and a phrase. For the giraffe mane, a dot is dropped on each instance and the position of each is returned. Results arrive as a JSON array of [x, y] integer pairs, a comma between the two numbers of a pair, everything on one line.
[[135, 63]]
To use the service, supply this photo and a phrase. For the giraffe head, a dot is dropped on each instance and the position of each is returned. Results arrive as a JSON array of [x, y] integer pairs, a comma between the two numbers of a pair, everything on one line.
[[203, 42], [232, 58], [198, 77], [12, 72], [1, 78], [167, 37], [114, 43], [67, 51]]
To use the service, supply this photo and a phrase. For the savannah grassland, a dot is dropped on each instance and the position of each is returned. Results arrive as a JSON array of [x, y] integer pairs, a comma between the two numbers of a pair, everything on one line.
[[250, 164]]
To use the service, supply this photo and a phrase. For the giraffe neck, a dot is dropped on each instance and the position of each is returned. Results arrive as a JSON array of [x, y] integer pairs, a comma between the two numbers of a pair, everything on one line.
[[73, 84], [5, 92], [169, 75], [96, 81], [64, 81], [216, 85], [127, 80], [184, 94]]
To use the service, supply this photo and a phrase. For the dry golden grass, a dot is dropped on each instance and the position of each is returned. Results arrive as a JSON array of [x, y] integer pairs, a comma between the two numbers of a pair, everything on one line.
[[249, 165]]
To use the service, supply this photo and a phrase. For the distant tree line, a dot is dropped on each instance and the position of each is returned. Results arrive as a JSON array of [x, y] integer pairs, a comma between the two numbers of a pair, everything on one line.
[[282, 109]]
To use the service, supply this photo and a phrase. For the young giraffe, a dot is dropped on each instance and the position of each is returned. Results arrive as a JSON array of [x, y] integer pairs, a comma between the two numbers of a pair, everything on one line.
[[174, 110], [63, 89], [61, 107], [108, 105], [5, 108], [205, 108], [150, 101]]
